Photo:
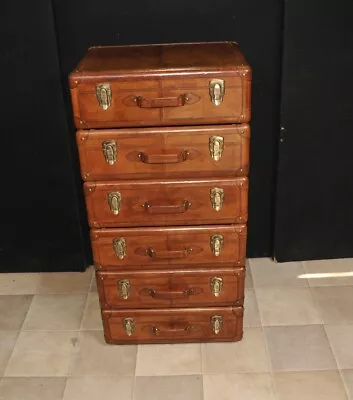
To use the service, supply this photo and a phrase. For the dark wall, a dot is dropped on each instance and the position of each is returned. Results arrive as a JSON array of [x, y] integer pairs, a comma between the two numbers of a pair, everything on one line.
[[314, 217], [40, 227], [254, 24]]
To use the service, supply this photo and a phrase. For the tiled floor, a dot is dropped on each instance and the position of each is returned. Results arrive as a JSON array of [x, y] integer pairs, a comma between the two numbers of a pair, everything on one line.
[[298, 342]]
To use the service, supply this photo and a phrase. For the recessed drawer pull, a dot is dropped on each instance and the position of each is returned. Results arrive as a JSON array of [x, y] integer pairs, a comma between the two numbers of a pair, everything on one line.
[[168, 254], [160, 102], [167, 208], [168, 158], [171, 294], [114, 201], [216, 243], [171, 331]]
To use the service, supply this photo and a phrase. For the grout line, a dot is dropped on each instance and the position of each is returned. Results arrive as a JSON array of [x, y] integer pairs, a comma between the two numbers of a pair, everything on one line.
[[268, 357], [344, 384]]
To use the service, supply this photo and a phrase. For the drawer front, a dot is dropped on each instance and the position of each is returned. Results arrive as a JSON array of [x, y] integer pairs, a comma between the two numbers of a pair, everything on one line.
[[152, 102], [157, 203], [183, 288], [177, 247], [208, 151], [173, 325]]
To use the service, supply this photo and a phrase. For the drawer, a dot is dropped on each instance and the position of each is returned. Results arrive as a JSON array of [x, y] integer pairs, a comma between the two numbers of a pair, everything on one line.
[[142, 153], [170, 325], [181, 288], [158, 247], [172, 202]]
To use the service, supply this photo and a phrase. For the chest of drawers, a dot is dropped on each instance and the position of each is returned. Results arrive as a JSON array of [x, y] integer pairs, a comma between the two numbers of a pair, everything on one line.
[[163, 139]]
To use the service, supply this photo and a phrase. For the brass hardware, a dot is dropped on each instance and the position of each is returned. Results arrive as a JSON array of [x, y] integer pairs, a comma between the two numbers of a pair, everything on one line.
[[216, 285], [109, 151], [216, 144], [216, 324], [104, 95], [119, 245], [217, 91], [216, 244], [129, 326], [124, 289], [217, 197], [114, 201]]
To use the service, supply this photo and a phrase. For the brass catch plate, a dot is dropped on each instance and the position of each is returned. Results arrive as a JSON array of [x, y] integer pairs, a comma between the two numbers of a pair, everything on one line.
[[119, 245], [104, 95], [216, 146], [217, 197]]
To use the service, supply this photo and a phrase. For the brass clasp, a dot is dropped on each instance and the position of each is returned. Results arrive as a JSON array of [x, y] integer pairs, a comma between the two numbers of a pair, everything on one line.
[[216, 243], [119, 245], [216, 146], [129, 326], [217, 90], [216, 324], [114, 201], [109, 151], [124, 289], [104, 95], [216, 286], [217, 197]]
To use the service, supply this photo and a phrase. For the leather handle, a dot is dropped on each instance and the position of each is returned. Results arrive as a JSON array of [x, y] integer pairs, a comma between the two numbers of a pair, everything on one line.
[[168, 158], [172, 331], [167, 208], [171, 294], [168, 254], [161, 102]]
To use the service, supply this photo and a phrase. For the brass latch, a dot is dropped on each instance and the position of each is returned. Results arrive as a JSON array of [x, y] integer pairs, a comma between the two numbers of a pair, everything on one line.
[[217, 197], [124, 289], [114, 201], [216, 243], [104, 95], [119, 245], [129, 326], [216, 145], [109, 151], [217, 91], [216, 285], [216, 324]]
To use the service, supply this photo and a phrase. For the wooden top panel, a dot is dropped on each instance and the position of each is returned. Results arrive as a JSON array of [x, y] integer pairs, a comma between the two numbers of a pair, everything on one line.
[[177, 57]]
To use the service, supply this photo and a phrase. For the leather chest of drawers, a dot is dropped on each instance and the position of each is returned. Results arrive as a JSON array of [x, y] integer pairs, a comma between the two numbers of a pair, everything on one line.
[[163, 140]]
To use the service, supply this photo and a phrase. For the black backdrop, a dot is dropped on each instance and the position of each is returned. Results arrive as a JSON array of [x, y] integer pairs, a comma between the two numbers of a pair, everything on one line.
[[42, 209]]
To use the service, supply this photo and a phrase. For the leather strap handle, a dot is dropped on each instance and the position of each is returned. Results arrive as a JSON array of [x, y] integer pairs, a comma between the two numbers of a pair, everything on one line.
[[171, 294], [168, 254], [167, 208], [161, 102], [172, 331], [167, 158]]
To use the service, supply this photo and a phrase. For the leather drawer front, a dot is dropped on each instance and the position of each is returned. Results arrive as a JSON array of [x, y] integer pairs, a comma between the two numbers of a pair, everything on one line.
[[176, 247], [183, 288], [152, 102], [142, 153], [173, 325], [158, 203]]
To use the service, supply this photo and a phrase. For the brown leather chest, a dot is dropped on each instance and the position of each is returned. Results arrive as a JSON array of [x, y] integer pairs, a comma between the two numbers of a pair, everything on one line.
[[163, 141]]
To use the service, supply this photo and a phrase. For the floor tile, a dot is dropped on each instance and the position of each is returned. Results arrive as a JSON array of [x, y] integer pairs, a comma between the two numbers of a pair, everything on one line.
[[348, 382], [7, 344], [25, 283], [169, 359], [238, 386], [329, 272], [41, 354], [55, 312], [168, 388], [65, 282], [32, 388], [92, 316], [341, 340], [323, 385], [287, 306], [248, 355], [251, 310], [248, 277], [299, 348], [334, 303], [96, 358], [93, 388], [13, 310], [266, 272]]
